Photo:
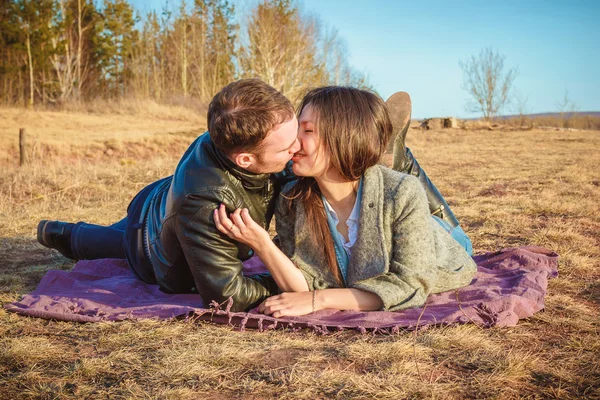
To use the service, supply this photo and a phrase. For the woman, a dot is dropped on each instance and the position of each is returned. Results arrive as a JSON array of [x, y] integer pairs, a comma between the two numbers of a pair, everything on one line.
[[354, 235]]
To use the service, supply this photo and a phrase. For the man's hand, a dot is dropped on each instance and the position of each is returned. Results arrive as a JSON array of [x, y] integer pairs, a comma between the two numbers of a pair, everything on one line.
[[289, 304], [240, 227]]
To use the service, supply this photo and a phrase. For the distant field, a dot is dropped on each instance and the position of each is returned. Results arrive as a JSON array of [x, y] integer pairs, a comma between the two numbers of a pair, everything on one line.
[[508, 188], [557, 114], [107, 130], [589, 120]]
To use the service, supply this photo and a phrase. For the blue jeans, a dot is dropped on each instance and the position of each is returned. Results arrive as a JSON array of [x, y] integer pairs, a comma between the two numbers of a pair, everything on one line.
[[457, 234], [91, 242]]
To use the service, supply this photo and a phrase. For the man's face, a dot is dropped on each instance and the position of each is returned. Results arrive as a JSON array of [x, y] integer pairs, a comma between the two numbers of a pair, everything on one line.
[[278, 148]]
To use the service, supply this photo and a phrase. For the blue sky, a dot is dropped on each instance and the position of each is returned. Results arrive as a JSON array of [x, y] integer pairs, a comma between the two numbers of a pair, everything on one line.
[[415, 46]]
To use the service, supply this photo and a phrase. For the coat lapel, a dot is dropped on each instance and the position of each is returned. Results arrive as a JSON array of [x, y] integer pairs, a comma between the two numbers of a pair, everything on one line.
[[369, 256], [311, 257]]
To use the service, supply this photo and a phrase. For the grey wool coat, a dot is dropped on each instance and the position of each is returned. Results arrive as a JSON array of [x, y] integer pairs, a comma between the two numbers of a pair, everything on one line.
[[401, 254]]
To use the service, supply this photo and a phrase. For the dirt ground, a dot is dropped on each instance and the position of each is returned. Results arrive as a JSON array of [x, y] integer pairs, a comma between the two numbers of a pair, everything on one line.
[[508, 188]]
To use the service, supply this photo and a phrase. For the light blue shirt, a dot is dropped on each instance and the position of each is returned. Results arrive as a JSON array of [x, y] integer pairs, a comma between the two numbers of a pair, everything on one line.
[[342, 247]]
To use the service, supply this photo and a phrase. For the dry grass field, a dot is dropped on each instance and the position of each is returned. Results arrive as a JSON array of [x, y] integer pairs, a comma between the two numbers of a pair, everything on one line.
[[508, 188]]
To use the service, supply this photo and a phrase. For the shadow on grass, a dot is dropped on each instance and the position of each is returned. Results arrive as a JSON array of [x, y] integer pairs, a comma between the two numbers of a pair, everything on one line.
[[25, 262], [592, 292]]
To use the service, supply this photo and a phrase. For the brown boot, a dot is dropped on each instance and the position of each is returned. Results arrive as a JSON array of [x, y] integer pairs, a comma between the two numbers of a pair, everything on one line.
[[400, 108]]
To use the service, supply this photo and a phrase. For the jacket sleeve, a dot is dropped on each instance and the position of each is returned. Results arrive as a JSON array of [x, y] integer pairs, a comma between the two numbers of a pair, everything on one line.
[[412, 268], [213, 259]]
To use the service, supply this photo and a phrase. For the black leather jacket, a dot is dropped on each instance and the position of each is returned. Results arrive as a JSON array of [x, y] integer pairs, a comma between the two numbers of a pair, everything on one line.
[[186, 252]]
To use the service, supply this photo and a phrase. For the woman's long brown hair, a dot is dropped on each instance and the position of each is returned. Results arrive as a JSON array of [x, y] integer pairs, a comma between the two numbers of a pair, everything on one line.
[[354, 126]]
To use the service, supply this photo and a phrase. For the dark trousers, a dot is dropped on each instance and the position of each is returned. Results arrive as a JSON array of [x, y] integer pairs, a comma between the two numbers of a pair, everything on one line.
[[91, 242], [123, 239]]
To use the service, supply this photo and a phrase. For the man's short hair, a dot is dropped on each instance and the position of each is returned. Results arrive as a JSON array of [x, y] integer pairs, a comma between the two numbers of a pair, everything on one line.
[[242, 114]]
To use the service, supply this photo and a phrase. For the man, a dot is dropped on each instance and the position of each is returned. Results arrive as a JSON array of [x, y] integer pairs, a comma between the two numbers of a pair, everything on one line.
[[169, 237]]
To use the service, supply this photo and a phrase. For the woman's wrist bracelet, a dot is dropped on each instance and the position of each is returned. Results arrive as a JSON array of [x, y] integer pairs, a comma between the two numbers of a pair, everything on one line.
[[314, 300]]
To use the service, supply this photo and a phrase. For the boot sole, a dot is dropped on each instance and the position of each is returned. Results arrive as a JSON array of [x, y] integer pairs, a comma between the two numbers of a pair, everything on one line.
[[44, 239], [400, 108], [40, 232]]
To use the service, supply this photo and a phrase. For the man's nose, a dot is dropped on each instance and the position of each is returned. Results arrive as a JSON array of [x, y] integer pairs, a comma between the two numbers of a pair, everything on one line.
[[296, 147]]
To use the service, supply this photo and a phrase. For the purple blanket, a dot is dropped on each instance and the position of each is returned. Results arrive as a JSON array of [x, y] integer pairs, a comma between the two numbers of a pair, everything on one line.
[[509, 285]]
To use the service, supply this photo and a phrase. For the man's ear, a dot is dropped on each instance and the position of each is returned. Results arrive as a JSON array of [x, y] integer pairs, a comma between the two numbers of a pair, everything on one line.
[[244, 160]]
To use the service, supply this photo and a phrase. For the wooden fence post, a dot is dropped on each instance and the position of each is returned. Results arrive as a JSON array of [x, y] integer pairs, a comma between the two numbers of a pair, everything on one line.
[[22, 147]]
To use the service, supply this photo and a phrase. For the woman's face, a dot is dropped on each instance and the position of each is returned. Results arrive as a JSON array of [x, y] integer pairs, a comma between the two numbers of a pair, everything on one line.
[[312, 159]]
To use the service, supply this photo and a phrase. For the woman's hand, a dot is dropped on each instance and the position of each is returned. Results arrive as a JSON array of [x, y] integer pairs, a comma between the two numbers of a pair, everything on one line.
[[301, 303], [289, 304], [240, 227]]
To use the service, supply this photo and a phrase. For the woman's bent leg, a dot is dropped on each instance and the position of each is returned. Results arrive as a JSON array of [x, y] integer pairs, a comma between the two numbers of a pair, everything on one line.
[[461, 237], [457, 234]]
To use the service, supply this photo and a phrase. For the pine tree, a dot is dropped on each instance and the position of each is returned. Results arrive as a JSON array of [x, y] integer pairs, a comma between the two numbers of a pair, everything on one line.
[[221, 44], [70, 50], [10, 60], [31, 27], [116, 34]]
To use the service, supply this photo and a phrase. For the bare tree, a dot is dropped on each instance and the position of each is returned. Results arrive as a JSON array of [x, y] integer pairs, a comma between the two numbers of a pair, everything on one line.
[[335, 59], [567, 109], [63, 60], [71, 42], [486, 80], [521, 108], [26, 27], [59, 51], [183, 25], [281, 48]]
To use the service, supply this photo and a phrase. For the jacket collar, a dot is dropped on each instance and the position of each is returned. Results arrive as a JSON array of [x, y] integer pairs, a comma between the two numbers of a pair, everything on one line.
[[249, 180]]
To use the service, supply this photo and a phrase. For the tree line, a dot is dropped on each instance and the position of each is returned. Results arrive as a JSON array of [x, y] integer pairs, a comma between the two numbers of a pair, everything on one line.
[[58, 51]]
